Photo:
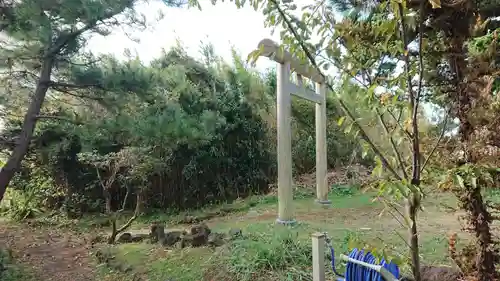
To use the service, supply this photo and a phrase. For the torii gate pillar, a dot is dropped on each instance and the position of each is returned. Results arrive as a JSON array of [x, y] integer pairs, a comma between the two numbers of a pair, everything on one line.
[[285, 87]]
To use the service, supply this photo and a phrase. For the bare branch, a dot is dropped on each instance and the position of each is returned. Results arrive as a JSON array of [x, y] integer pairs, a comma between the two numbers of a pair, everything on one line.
[[65, 91], [398, 122], [441, 135], [20, 73], [72, 86], [389, 205], [68, 61], [61, 118], [100, 178], [393, 144], [63, 39], [420, 61], [137, 212], [398, 119], [55, 117], [125, 199]]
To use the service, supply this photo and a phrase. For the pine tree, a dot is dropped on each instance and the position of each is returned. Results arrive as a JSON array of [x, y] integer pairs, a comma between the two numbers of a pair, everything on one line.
[[40, 42]]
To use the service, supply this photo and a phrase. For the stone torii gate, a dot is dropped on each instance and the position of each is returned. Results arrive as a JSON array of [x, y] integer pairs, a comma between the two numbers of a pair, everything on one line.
[[285, 87]]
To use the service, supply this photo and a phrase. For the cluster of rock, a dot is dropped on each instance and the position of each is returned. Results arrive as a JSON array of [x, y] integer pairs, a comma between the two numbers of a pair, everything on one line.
[[197, 236]]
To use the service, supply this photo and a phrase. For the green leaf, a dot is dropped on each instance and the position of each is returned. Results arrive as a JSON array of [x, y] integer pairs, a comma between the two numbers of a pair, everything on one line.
[[378, 168], [272, 20], [341, 121], [253, 56], [372, 88]]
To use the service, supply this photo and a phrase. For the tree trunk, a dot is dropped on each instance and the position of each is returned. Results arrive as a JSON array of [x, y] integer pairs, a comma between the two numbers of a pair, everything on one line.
[[113, 217], [412, 206], [479, 221], [124, 203], [29, 123], [114, 232], [486, 258]]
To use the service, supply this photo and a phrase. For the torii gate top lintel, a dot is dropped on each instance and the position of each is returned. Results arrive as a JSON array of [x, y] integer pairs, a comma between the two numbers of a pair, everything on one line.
[[272, 50]]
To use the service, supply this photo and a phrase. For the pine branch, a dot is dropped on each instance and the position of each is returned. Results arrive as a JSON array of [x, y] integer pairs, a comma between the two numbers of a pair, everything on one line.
[[73, 86], [61, 118], [67, 92]]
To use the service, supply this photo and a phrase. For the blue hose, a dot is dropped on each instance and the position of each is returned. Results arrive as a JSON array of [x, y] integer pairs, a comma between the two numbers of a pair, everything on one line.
[[332, 252], [355, 272]]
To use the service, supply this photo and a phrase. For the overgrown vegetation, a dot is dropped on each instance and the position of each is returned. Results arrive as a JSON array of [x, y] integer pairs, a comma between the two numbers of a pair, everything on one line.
[[87, 134], [440, 70], [266, 251]]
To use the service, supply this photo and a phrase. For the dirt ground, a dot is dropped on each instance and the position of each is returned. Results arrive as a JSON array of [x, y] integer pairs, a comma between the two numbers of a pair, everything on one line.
[[52, 256]]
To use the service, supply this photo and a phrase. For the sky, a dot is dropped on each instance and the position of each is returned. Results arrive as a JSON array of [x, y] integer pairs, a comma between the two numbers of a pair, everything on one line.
[[223, 25]]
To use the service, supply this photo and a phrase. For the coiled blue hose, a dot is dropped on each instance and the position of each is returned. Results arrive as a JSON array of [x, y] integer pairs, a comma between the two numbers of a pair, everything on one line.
[[356, 272]]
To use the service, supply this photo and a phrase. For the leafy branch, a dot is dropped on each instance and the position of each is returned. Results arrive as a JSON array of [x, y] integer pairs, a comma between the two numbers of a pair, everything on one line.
[[344, 106]]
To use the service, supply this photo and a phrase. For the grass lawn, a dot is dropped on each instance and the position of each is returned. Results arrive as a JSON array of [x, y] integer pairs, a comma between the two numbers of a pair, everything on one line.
[[274, 252]]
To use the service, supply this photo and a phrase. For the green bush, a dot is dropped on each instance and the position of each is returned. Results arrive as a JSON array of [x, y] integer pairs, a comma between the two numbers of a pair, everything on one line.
[[20, 205], [212, 128], [199, 122]]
